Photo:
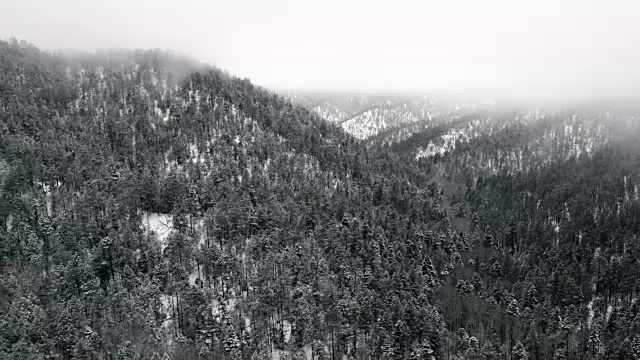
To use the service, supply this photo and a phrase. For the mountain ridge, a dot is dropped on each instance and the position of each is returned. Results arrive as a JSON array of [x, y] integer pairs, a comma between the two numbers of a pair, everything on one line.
[[150, 210]]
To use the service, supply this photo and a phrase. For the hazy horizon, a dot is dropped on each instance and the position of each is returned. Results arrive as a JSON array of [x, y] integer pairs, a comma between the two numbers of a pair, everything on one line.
[[520, 49]]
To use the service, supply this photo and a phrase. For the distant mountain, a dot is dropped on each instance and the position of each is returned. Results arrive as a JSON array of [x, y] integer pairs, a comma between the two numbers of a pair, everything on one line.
[[366, 115]]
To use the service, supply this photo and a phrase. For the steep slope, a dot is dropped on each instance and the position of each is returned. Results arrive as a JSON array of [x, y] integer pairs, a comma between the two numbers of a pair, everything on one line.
[[564, 242], [548, 200], [155, 207], [551, 204], [380, 115], [365, 115]]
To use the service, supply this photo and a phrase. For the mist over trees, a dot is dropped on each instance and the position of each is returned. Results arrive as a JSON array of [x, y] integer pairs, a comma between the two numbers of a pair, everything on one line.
[[152, 207], [283, 233]]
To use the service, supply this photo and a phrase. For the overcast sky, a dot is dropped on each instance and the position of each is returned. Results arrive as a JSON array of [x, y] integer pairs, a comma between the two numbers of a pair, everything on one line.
[[537, 47]]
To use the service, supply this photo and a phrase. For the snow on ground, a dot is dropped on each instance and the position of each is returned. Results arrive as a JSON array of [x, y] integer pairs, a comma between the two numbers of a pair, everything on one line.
[[446, 142], [609, 310], [47, 198], [48, 195], [166, 116], [193, 277], [591, 314], [371, 121], [330, 113], [287, 331], [167, 303], [159, 224], [9, 223], [200, 230], [194, 154], [229, 304], [276, 354], [307, 351]]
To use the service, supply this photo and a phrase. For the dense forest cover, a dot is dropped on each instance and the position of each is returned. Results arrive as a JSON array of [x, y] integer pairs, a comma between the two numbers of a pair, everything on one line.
[[554, 269], [152, 207]]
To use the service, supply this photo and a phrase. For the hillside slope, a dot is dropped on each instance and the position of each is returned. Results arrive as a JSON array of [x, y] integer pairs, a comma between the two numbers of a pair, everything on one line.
[[153, 206], [552, 203]]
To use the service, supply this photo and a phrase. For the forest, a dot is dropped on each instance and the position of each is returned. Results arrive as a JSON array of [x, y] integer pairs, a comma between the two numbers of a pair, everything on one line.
[[153, 207]]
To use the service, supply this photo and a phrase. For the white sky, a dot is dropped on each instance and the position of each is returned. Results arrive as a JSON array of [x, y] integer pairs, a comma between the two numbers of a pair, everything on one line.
[[537, 47]]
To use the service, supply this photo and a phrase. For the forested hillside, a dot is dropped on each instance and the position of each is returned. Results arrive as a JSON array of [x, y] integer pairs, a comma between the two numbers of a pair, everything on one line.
[[154, 207], [367, 115], [553, 200]]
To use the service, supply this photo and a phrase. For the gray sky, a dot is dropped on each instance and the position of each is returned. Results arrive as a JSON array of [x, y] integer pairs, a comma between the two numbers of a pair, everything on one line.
[[522, 47]]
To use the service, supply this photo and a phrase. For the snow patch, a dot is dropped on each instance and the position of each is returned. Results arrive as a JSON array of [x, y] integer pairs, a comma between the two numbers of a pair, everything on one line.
[[159, 224], [287, 331], [591, 314]]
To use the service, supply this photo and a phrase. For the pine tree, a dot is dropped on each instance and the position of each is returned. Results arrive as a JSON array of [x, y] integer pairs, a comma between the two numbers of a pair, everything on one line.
[[520, 352]]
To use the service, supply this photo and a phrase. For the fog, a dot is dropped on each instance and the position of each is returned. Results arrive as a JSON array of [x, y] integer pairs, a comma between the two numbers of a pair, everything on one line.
[[519, 49]]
